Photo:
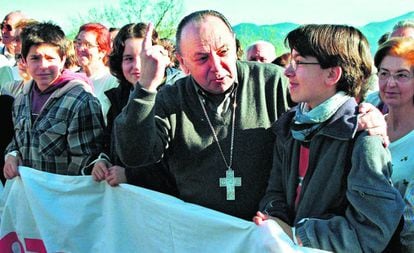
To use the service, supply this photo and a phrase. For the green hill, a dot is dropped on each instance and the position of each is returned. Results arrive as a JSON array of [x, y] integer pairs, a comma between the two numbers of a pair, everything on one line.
[[247, 33]]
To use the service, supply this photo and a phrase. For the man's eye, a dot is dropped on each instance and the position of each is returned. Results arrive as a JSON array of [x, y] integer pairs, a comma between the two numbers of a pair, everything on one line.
[[202, 58], [223, 52]]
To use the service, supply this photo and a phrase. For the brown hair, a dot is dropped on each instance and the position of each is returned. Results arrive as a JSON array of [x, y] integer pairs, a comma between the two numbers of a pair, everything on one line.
[[336, 45], [133, 30]]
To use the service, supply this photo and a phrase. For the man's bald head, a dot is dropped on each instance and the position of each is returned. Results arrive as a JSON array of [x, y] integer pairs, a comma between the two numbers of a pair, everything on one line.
[[261, 51]]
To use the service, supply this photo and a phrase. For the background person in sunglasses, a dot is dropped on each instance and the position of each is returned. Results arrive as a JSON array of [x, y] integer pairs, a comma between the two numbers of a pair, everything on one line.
[[9, 71], [11, 84], [8, 33]]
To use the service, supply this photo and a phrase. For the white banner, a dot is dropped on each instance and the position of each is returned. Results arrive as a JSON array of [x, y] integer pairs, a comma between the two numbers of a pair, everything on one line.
[[43, 212]]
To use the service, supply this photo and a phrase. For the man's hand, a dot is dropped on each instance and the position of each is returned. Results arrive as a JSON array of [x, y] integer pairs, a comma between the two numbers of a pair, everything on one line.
[[154, 61], [372, 120], [116, 176], [10, 166]]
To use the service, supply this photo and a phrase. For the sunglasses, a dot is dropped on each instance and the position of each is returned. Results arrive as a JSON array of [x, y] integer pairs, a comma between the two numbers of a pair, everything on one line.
[[8, 27]]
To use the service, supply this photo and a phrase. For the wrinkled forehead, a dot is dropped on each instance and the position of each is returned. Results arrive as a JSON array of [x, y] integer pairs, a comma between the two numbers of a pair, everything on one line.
[[208, 19]]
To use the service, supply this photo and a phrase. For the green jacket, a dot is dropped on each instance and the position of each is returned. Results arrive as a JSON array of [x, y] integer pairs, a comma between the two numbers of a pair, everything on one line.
[[172, 125]]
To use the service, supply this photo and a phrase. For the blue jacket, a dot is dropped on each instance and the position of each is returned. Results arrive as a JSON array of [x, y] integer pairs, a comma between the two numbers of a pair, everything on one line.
[[347, 202]]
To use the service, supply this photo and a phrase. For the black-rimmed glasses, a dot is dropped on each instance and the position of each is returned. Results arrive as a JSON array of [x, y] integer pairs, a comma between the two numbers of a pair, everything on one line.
[[294, 64]]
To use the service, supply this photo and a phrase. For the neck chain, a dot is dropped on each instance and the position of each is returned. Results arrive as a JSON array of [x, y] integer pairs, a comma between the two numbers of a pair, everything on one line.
[[228, 165]]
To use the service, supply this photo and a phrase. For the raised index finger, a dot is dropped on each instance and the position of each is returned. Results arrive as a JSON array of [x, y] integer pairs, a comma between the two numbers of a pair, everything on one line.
[[147, 44]]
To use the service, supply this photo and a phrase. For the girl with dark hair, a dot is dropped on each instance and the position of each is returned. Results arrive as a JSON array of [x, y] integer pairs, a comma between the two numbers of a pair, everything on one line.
[[125, 65]]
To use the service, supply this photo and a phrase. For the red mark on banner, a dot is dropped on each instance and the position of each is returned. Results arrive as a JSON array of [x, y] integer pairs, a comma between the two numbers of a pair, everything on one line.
[[10, 243]]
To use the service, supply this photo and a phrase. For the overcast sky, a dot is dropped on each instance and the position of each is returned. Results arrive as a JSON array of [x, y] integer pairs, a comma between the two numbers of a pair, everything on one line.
[[352, 12]]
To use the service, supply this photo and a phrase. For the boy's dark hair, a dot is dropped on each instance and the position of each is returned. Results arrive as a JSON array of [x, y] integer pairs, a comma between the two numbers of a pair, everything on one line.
[[336, 45], [43, 33]]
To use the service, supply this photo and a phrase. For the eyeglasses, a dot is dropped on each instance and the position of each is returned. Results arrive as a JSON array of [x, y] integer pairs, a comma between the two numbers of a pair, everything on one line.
[[8, 27], [399, 77], [294, 64], [84, 44]]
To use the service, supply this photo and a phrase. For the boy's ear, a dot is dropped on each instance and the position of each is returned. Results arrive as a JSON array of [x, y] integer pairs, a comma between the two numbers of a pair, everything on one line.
[[334, 75]]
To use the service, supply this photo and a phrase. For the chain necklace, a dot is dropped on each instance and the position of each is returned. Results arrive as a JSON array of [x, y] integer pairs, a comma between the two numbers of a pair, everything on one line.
[[230, 182]]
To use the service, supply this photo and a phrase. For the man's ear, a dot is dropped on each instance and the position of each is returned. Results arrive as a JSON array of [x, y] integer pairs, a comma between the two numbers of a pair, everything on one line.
[[334, 75], [182, 64]]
